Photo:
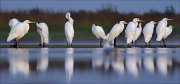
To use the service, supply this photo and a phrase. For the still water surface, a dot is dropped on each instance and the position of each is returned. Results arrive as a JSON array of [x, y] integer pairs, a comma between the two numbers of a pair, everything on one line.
[[89, 65]]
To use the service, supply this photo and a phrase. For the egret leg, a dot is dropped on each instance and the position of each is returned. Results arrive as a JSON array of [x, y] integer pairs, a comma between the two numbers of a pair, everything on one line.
[[14, 43], [18, 45], [132, 43], [146, 45], [149, 44], [164, 43], [101, 40], [67, 43], [115, 42], [40, 44], [43, 45], [71, 45]]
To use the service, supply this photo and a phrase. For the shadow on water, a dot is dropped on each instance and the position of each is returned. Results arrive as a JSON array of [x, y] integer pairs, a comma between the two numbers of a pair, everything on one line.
[[94, 65]]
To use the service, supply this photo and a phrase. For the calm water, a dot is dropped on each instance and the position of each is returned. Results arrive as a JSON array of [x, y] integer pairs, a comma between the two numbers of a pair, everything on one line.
[[89, 65]]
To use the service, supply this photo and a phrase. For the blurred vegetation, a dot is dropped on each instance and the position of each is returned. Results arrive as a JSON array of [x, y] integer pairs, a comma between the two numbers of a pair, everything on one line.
[[106, 16]]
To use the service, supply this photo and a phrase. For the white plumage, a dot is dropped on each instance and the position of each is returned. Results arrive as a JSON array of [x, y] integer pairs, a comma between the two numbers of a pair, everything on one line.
[[148, 31], [13, 22], [137, 32], [69, 29], [130, 30], [42, 29], [18, 30], [168, 31], [98, 32], [161, 29], [116, 30]]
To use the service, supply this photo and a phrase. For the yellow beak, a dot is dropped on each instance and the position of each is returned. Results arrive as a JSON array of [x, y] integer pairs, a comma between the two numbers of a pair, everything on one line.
[[169, 19], [141, 21], [32, 22]]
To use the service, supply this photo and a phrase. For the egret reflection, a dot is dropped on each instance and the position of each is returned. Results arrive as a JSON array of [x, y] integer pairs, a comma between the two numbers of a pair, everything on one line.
[[149, 64], [97, 60], [133, 65], [100, 62], [42, 63], [19, 61], [118, 66], [69, 63], [164, 64], [149, 60]]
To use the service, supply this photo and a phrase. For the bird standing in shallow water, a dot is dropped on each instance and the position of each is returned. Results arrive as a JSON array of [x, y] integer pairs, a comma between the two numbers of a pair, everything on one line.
[[131, 29], [138, 33], [148, 32], [116, 30], [69, 29], [161, 30], [43, 31], [99, 33], [18, 31]]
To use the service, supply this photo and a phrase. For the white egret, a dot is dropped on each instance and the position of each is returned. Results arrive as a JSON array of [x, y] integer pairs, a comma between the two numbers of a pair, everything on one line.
[[137, 33], [161, 30], [148, 31], [18, 31], [115, 31], [99, 33], [13, 22], [69, 29], [131, 29], [42, 29]]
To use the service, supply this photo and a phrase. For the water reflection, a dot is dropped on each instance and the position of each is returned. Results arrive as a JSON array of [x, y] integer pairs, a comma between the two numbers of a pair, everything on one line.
[[97, 60], [133, 65], [164, 64], [69, 63], [19, 61], [149, 64], [118, 66], [42, 63], [133, 62], [149, 60]]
